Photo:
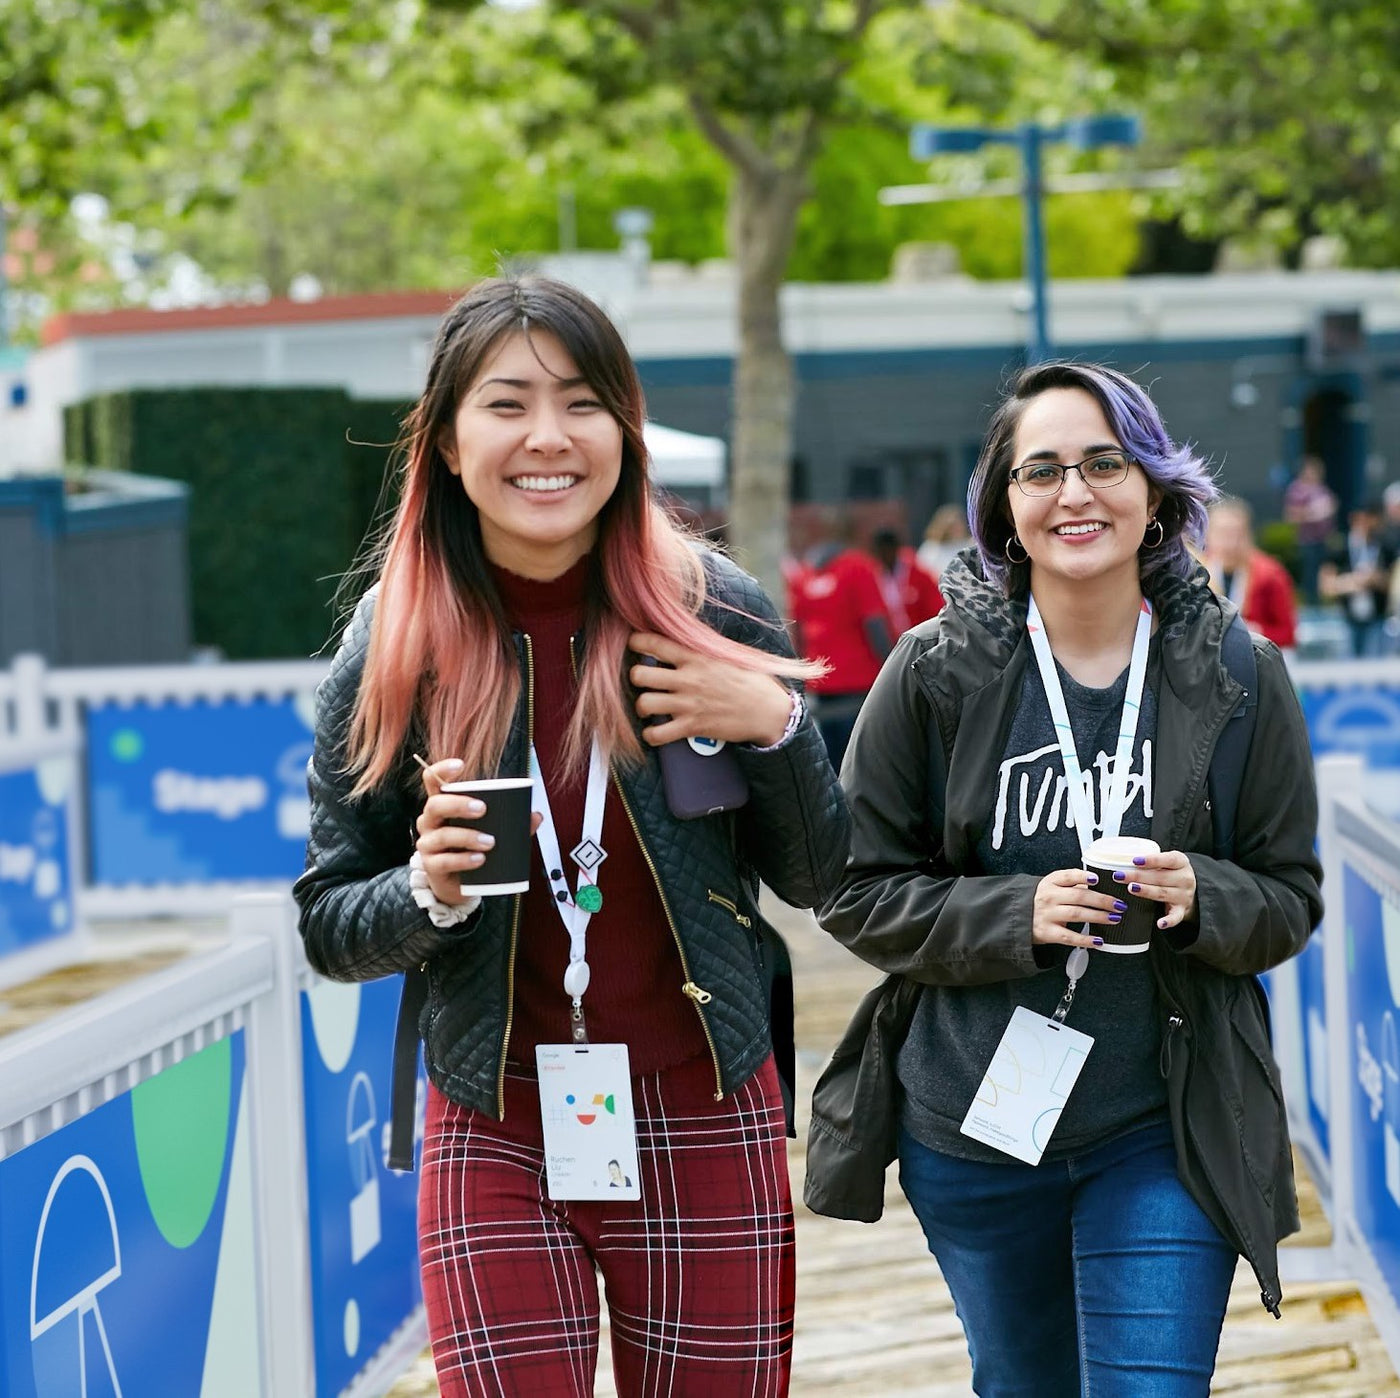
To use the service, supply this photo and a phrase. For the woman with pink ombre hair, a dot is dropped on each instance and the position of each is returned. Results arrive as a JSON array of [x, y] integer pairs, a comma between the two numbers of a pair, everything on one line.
[[537, 613]]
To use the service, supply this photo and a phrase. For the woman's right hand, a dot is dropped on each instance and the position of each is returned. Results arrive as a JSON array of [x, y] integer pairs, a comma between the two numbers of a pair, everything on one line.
[[446, 850], [1067, 897]]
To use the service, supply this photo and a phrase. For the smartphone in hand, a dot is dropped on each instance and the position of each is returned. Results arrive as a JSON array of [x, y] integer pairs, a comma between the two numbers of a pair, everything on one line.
[[701, 776]]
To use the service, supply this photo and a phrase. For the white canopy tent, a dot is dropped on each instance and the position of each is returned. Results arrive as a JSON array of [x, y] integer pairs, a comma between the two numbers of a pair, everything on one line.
[[687, 463]]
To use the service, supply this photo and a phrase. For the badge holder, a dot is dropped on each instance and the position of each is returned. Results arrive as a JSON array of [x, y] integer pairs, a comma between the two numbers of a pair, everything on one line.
[[1030, 1077], [590, 1130]]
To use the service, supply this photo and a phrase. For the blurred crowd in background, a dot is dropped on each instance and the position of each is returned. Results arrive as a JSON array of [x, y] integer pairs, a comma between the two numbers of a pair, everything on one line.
[[1333, 589]]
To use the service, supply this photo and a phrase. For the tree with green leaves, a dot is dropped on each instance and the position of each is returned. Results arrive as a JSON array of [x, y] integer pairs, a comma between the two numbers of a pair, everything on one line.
[[1281, 113], [764, 82], [70, 77]]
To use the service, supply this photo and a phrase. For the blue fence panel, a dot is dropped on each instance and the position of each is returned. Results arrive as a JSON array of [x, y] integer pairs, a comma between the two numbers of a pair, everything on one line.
[[127, 1244], [364, 1217], [1312, 1005], [1373, 986], [36, 883]]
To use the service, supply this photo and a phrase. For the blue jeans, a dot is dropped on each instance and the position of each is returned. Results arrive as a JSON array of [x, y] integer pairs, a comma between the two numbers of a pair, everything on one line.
[[1092, 1277]]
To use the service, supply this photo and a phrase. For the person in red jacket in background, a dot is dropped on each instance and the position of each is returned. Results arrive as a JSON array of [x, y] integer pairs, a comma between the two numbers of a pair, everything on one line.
[[1256, 583], [911, 592], [838, 606]]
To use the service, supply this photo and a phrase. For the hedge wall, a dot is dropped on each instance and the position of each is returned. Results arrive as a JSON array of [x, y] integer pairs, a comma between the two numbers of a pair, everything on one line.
[[279, 500]]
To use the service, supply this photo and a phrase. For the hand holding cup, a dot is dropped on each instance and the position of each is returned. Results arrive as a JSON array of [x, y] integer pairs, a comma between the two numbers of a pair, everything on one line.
[[1164, 876], [474, 837], [1145, 878]]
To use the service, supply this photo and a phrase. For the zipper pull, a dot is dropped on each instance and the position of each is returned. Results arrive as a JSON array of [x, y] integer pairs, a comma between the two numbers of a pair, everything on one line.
[[1164, 1059], [693, 992]]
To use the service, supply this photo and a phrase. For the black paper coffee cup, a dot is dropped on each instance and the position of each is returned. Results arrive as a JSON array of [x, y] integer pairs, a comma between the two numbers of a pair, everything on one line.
[[506, 868], [1111, 855]]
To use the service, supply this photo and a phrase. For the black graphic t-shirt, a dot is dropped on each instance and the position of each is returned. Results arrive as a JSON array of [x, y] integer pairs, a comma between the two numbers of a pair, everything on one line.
[[1030, 830]]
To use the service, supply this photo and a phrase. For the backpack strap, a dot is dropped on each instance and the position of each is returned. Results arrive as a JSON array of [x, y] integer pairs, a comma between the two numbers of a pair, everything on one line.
[[1226, 773]]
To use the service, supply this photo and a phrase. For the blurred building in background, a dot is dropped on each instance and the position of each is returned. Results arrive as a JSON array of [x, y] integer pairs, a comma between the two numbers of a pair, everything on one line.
[[1259, 368]]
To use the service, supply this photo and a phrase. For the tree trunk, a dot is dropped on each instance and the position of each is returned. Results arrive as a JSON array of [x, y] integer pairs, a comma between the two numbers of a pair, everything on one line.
[[763, 208]]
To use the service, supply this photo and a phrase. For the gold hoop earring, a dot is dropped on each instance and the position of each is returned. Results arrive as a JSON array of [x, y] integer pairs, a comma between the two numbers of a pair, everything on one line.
[[1161, 534], [1010, 558]]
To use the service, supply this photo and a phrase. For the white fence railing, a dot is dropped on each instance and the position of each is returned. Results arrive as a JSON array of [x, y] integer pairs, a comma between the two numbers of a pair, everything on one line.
[[191, 791], [157, 1148], [1336, 1020]]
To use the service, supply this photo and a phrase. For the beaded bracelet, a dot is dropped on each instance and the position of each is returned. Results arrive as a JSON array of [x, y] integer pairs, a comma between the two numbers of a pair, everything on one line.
[[795, 714]]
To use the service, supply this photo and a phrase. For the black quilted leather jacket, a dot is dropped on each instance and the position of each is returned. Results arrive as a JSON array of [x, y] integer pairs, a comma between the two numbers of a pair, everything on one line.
[[359, 922]]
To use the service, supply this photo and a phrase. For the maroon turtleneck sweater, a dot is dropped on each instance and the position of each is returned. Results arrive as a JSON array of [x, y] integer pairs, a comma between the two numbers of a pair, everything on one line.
[[634, 996]]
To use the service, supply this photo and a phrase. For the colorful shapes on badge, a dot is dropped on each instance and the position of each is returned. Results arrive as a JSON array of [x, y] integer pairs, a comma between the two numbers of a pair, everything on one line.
[[589, 1114]]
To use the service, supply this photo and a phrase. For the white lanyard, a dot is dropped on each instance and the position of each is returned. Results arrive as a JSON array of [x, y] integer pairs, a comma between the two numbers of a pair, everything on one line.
[[1076, 787], [1239, 583], [588, 855]]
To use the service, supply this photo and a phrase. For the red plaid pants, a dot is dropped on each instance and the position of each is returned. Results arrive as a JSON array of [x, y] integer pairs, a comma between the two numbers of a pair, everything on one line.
[[699, 1274]]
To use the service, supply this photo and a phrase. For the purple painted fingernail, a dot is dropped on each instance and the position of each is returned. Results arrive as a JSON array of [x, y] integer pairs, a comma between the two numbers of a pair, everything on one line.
[[1115, 917], [1119, 875], [1139, 859], [1098, 941], [1134, 888], [1119, 906], [1162, 923], [1093, 878]]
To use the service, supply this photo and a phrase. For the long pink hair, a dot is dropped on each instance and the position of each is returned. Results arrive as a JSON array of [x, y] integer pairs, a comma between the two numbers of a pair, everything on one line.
[[441, 657]]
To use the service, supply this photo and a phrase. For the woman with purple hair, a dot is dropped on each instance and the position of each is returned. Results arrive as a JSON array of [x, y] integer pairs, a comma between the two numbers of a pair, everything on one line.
[[1069, 1055]]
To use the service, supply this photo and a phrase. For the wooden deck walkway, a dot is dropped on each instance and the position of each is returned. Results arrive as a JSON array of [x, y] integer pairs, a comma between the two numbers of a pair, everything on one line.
[[908, 1342]]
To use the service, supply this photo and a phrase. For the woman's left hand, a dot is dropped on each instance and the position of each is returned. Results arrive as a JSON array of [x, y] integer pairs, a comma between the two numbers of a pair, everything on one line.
[[1167, 878], [706, 698]]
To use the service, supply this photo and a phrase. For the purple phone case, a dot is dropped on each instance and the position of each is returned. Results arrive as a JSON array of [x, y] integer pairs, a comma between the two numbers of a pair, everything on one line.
[[699, 784]]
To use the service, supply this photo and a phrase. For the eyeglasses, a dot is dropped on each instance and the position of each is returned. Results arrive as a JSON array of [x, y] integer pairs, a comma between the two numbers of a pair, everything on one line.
[[1041, 478]]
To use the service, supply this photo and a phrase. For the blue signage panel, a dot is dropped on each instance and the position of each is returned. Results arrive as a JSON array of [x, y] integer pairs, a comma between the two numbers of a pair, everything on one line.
[[36, 887], [127, 1245], [200, 792], [1373, 975], [1362, 719], [364, 1217]]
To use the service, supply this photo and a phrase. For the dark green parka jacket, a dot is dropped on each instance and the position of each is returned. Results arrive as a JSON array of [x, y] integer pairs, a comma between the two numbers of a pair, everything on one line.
[[919, 777]]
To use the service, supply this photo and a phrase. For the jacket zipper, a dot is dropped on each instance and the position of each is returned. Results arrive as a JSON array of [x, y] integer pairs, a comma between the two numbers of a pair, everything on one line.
[[694, 993], [731, 907], [519, 897], [1175, 1022]]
